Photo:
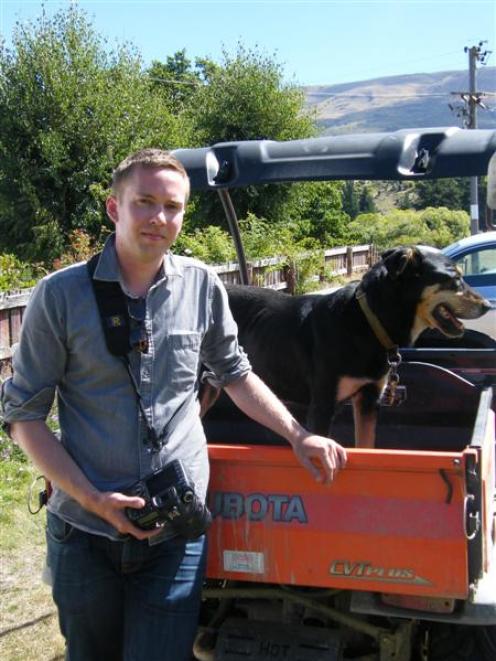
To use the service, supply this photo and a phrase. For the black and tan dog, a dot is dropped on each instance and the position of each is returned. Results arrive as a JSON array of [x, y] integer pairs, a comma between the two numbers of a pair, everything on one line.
[[318, 350]]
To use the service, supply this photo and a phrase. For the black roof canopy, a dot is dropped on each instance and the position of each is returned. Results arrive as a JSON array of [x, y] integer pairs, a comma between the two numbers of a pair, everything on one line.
[[406, 154]]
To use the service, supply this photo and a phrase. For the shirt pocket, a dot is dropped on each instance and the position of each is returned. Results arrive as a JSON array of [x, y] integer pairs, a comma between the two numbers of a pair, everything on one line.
[[184, 358]]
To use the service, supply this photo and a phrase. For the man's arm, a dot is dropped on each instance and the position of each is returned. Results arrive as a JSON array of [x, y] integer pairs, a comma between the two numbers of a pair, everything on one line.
[[254, 398], [50, 456]]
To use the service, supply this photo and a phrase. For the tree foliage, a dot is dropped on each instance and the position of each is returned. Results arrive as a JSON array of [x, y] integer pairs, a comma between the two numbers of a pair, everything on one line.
[[15, 274], [349, 199], [262, 238], [175, 80], [357, 198], [210, 244], [453, 193], [68, 112], [366, 202], [246, 98], [316, 209], [436, 227]]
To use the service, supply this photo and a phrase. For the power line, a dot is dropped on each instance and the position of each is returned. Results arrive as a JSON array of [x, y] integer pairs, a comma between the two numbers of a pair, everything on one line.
[[372, 95], [172, 81]]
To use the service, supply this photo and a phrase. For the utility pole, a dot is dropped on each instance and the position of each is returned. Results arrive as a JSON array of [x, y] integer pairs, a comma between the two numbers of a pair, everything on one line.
[[473, 58], [472, 100]]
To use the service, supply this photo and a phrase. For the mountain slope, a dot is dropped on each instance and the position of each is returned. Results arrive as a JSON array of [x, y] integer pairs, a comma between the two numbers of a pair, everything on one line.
[[395, 102]]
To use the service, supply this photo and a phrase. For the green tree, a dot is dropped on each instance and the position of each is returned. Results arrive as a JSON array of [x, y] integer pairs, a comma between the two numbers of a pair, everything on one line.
[[350, 199], [370, 228], [246, 98], [174, 80], [317, 210], [15, 274], [211, 244], [366, 202], [445, 225], [436, 227], [68, 112], [262, 238], [357, 198], [453, 193]]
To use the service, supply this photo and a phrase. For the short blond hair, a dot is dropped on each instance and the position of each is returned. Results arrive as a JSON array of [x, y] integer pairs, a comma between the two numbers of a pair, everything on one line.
[[147, 158]]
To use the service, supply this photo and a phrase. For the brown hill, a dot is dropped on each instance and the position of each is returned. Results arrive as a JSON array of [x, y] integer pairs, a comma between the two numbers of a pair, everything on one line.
[[395, 102]]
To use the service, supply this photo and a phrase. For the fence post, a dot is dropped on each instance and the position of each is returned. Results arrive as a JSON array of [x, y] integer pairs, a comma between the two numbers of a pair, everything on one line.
[[349, 261], [290, 277], [250, 271]]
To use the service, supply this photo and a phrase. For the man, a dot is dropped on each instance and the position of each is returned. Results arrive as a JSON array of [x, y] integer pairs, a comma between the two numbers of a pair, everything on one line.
[[123, 592]]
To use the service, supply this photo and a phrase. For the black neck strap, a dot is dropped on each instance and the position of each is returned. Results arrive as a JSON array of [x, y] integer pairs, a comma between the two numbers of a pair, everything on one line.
[[114, 316]]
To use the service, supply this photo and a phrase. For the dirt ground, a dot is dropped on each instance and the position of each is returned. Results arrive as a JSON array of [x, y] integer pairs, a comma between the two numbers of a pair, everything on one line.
[[28, 623]]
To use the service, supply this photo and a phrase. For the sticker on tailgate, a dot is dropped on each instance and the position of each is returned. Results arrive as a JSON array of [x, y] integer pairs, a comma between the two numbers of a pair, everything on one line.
[[249, 562], [367, 571]]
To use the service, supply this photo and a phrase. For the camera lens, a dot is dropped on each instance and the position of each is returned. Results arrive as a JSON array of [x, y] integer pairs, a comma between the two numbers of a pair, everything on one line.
[[188, 496]]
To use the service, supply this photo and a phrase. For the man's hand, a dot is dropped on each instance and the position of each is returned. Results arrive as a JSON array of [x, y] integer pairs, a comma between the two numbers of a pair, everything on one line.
[[57, 465], [111, 507], [255, 399], [330, 456]]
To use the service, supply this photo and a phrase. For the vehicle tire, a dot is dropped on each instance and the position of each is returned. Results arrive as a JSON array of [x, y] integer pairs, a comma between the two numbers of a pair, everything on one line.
[[486, 643], [450, 642]]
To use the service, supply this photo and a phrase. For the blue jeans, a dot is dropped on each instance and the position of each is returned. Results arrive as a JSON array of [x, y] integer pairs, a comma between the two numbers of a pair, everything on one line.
[[125, 601]]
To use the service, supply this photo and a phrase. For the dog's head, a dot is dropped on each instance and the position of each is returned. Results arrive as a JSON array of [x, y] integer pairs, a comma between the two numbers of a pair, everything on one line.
[[443, 297]]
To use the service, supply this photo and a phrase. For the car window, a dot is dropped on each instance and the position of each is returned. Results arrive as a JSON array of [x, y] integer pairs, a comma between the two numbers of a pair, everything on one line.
[[478, 262]]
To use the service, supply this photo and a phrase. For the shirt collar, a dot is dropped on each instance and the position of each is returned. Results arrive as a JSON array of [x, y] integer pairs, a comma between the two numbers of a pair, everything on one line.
[[108, 264], [172, 265]]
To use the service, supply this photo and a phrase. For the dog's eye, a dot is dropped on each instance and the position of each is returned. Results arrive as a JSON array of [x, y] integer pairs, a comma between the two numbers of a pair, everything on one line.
[[457, 283], [450, 281]]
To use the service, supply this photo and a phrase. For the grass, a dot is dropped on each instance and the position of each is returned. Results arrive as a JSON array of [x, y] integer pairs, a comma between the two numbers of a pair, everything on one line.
[[28, 623]]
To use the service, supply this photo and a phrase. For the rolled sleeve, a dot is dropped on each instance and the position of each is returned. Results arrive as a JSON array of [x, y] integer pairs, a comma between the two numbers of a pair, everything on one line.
[[38, 362], [225, 360]]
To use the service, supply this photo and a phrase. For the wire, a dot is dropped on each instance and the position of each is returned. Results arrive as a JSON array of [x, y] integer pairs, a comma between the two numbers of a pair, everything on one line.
[[390, 96], [41, 496]]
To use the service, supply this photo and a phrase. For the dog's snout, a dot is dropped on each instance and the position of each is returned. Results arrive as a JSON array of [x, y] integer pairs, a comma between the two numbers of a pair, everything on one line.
[[488, 305], [478, 298], [472, 305]]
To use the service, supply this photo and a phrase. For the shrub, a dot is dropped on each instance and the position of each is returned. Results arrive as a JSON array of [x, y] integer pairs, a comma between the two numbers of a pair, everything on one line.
[[15, 274], [432, 226]]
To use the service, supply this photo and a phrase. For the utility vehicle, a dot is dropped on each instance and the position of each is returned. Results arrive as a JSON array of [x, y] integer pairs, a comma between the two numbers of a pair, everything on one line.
[[396, 558]]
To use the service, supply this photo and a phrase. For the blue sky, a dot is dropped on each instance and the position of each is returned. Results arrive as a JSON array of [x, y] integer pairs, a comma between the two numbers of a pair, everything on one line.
[[316, 41]]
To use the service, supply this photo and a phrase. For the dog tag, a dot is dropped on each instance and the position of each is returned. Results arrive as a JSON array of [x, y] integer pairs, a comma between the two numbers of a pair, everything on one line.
[[393, 396]]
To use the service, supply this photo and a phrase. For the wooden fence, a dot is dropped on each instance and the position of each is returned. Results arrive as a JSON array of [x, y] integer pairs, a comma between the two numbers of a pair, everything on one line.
[[12, 306], [273, 272], [276, 273]]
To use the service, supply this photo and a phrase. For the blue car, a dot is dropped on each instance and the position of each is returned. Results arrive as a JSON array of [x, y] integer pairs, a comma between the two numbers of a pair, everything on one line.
[[476, 257]]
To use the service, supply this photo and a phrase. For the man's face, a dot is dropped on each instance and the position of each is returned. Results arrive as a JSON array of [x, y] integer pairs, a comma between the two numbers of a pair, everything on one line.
[[148, 212]]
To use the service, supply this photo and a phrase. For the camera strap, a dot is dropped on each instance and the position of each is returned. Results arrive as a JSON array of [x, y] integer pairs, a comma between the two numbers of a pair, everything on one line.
[[114, 315]]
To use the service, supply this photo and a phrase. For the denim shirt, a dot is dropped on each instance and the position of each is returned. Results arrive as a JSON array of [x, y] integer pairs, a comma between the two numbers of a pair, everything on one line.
[[62, 351]]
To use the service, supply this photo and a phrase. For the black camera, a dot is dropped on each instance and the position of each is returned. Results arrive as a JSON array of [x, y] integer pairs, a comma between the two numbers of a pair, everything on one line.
[[169, 498]]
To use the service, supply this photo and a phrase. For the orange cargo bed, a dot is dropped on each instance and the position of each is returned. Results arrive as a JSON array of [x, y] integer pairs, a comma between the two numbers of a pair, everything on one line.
[[393, 521]]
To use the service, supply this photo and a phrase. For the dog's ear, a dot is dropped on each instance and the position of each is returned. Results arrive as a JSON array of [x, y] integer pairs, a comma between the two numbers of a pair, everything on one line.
[[401, 260]]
